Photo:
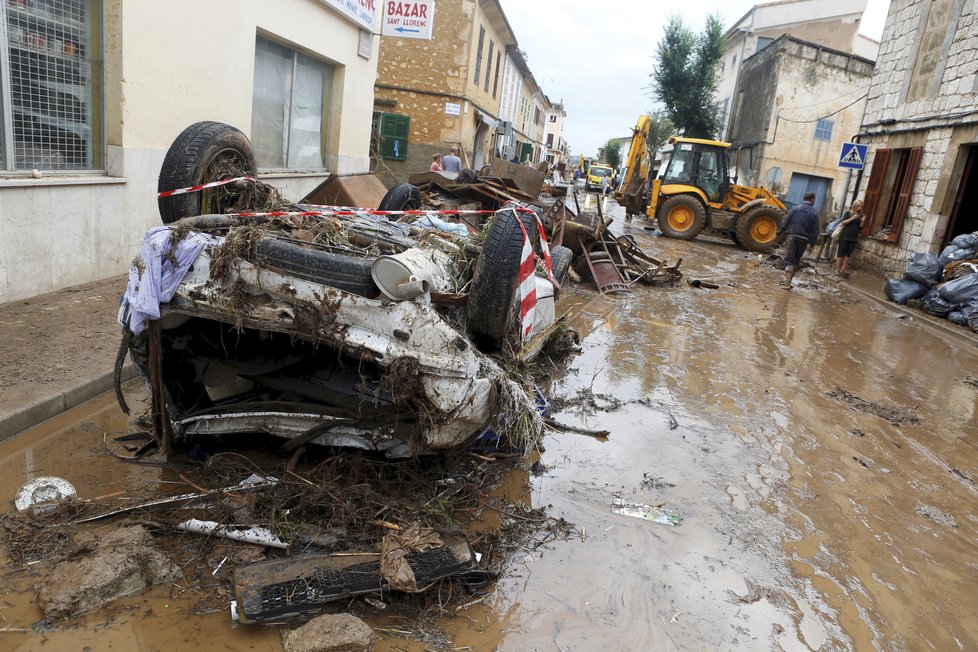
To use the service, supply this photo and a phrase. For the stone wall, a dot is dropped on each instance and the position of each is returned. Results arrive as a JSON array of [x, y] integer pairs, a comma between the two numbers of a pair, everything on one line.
[[923, 95]]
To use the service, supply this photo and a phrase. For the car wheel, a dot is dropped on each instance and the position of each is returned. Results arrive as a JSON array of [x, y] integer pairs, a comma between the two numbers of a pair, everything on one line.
[[402, 197], [560, 262], [204, 152], [346, 273], [492, 299]]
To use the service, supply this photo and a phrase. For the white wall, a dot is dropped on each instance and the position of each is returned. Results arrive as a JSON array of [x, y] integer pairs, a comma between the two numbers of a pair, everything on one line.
[[165, 70]]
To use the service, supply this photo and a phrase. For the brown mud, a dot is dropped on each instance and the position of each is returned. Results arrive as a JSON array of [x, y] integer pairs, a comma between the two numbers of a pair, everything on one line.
[[811, 521]]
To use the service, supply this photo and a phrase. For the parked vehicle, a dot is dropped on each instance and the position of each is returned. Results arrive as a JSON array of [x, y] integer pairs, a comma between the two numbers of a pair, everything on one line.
[[340, 330], [595, 174]]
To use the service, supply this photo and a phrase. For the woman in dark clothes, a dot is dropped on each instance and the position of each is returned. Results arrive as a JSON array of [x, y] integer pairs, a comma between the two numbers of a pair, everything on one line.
[[852, 222]]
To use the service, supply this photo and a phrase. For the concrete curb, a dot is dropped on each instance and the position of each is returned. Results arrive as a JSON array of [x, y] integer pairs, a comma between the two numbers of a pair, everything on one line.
[[964, 336], [42, 409]]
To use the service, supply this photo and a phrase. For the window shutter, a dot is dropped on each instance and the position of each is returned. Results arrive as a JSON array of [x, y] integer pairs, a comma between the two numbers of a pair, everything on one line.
[[872, 197], [394, 131], [906, 193]]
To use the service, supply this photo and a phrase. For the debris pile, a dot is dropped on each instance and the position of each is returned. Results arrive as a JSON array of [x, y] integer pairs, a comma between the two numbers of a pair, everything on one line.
[[944, 285]]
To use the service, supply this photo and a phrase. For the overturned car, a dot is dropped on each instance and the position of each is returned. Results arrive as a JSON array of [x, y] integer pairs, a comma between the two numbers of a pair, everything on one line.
[[336, 326]]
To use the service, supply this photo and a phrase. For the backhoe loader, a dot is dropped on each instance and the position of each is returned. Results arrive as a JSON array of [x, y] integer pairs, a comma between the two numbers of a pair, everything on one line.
[[694, 193]]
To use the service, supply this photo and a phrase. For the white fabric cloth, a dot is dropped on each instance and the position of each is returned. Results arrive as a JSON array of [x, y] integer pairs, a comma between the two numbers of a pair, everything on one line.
[[154, 276]]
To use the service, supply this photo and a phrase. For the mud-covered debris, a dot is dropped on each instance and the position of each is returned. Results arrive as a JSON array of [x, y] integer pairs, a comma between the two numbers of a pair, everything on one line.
[[938, 516], [895, 414], [972, 381], [120, 562], [331, 633], [654, 513]]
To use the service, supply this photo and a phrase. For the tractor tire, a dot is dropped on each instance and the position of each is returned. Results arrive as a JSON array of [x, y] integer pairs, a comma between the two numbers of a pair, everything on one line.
[[560, 262], [345, 273], [757, 228], [402, 197], [204, 152], [492, 299], [682, 217]]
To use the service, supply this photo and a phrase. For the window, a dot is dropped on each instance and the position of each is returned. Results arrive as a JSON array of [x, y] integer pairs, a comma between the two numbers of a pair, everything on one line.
[[550, 140], [51, 110], [489, 65], [495, 79], [553, 117], [823, 130], [478, 54], [890, 190], [290, 107], [393, 130], [763, 42]]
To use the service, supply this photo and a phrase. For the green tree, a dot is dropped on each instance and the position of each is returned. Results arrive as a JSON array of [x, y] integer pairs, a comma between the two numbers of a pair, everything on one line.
[[686, 75], [611, 152], [660, 128]]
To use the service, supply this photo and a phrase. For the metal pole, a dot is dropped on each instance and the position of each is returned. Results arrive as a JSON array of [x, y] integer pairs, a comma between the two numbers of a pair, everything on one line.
[[845, 194]]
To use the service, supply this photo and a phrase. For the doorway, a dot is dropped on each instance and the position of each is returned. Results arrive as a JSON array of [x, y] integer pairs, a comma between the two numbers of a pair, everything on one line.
[[964, 213], [805, 183]]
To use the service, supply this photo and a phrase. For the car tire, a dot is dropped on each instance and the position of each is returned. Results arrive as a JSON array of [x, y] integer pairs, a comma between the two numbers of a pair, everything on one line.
[[757, 228], [346, 273], [204, 152], [492, 299], [402, 197], [682, 217], [560, 262]]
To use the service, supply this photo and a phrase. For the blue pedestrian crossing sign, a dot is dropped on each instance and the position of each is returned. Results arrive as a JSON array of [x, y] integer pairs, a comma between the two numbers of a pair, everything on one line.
[[853, 156]]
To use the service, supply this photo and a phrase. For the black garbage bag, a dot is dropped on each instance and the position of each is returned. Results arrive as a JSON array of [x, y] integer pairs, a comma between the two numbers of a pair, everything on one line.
[[953, 252], [935, 304], [901, 290], [924, 268], [963, 313], [957, 317], [966, 241], [960, 291], [973, 321]]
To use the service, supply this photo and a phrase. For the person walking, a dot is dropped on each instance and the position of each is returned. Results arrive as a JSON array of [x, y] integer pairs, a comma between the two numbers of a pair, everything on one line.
[[800, 228], [852, 222], [436, 162], [452, 163]]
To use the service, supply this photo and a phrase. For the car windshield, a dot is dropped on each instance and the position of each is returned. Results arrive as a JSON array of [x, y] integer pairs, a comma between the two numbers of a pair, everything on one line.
[[600, 172]]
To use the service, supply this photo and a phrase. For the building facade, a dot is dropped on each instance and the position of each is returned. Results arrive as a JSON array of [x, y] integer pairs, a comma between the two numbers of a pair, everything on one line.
[[443, 92], [921, 125], [833, 24], [94, 92], [557, 150], [797, 103]]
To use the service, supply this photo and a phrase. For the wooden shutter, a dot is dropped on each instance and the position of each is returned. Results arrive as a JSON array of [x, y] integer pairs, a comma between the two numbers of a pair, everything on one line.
[[872, 198], [906, 193], [394, 131]]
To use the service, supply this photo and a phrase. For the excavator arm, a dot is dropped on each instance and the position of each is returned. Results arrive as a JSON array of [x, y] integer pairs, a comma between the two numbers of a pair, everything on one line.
[[633, 190]]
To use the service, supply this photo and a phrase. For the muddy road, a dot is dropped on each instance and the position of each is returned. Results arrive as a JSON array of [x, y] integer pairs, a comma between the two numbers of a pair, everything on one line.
[[818, 448]]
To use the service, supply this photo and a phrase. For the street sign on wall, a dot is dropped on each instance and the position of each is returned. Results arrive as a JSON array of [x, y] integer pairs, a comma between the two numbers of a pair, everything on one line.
[[362, 12], [408, 19], [853, 156]]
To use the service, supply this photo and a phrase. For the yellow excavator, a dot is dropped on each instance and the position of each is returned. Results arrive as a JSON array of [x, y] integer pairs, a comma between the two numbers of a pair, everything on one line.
[[694, 193]]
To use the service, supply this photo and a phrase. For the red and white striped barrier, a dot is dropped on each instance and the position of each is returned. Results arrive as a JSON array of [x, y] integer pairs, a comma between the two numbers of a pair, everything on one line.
[[527, 274], [212, 184]]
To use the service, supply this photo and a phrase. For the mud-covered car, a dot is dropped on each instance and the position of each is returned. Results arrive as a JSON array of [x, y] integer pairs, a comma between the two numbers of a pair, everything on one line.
[[331, 326]]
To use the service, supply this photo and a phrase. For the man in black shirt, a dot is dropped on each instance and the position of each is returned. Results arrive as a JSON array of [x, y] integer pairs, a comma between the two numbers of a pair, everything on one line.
[[800, 227]]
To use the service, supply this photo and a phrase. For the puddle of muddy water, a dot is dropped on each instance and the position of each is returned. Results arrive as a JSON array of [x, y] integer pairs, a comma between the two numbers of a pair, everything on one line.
[[807, 524]]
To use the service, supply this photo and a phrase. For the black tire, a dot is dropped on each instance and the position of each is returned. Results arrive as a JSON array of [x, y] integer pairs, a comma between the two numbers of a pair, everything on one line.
[[402, 197], [757, 228], [466, 176], [342, 272], [560, 262], [203, 152], [682, 217], [492, 298]]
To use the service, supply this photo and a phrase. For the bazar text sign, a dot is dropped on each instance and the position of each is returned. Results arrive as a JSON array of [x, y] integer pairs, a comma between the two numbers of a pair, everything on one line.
[[362, 12], [408, 19]]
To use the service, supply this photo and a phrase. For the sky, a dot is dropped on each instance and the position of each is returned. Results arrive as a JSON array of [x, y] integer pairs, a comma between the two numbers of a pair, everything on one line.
[[596, 57]]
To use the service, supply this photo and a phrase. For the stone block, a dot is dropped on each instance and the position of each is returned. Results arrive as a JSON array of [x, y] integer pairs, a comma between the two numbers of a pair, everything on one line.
[[331, 633]]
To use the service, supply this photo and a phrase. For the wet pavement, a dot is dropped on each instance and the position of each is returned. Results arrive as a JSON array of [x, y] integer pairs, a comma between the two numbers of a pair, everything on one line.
[[818, 448]]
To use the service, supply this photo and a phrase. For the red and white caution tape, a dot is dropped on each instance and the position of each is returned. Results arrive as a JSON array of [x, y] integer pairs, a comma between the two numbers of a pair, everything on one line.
[[527, 274], [212, 184]]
